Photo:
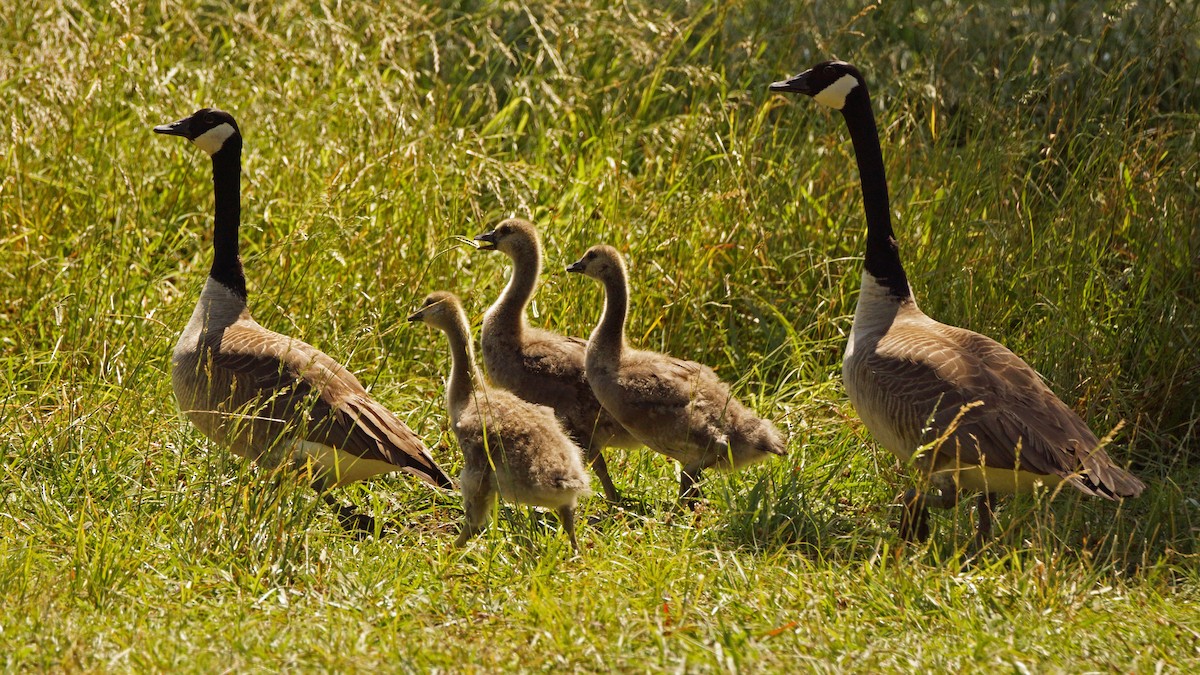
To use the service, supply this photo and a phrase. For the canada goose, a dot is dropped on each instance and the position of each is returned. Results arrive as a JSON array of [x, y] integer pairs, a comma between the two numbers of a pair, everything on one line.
[[982, 419], [268, 397], [540, 366], [509, 445], [675, 407]]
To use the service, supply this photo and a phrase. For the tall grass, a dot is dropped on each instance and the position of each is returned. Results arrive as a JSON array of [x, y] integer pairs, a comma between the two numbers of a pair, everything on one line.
[[1043, 166]]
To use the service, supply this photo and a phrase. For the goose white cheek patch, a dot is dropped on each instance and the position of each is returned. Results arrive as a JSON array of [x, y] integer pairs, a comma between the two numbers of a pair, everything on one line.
[[212, 140], [835, 94]]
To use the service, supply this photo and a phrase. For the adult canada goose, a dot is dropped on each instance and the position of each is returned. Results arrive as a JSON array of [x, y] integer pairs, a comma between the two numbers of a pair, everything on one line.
[[266, 396], [675, 407], [540, 366], [509, 445], [982, 419]]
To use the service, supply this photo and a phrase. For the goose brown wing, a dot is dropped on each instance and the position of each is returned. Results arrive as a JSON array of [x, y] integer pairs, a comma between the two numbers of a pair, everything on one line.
[[289, 379], [1053, 438], [968, 388], [932, 372], [361, 426]]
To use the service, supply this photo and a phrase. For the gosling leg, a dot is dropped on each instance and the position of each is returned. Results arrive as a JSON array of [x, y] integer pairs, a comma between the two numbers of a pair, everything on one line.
[[479, 496], [689, 491], [566, 514], [596, 459]]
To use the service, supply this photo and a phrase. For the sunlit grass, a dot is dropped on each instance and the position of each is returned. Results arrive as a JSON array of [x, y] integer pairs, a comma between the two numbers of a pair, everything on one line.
[[1043, 169]]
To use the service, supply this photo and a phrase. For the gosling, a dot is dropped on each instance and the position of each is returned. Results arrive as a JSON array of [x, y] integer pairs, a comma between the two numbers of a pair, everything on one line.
[[675, 407], [509, 445], [541, 366]]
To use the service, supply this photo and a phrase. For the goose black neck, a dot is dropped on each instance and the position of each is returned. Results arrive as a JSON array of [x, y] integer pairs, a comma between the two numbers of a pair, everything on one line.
[[882, 258], [227, 195]]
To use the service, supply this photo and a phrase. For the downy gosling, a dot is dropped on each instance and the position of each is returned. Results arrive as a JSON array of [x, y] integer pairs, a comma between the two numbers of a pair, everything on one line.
[[675, 407], [541, 366], [510, 446]]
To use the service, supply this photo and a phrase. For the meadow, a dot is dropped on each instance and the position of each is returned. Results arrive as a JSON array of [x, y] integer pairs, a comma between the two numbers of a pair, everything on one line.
[[1043, 162]]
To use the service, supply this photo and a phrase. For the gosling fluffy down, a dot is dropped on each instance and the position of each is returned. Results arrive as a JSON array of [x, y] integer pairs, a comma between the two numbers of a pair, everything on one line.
[[510, 446], [678, 408], [541, 366]]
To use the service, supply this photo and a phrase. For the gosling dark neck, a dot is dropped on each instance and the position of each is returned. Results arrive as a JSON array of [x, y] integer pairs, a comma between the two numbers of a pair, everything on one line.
[[508, 313], [608, 339], [227, 196], [882, 258], [463, 373]]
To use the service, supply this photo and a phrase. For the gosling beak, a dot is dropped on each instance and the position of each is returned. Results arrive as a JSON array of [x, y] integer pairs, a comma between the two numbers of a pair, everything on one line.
[[416, 317], [796, 85], [487, 241], [182, 127], [576, 267]]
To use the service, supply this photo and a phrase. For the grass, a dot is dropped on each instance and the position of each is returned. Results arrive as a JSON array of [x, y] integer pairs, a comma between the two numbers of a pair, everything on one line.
[[1043, 168]]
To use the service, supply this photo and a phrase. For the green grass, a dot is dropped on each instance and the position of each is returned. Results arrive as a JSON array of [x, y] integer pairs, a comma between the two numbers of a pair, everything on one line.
[[1043, 166]]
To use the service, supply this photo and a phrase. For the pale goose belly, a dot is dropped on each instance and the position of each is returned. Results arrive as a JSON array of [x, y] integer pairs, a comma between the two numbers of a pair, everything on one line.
[[337, 466], [975, 478]]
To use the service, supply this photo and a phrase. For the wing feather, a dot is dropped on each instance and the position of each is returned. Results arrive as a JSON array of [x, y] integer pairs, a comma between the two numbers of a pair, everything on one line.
[[290, 380], [931, 372]]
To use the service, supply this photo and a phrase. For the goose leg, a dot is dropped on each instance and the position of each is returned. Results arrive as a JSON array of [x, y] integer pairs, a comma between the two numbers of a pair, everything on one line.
[[358, 524], [479, 495], [689, 491], [596, 460], [566, 514], [914, 519], [984, 533]]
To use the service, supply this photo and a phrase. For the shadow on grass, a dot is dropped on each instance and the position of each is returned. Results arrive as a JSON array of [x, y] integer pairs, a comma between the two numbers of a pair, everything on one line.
[[822, 521]]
